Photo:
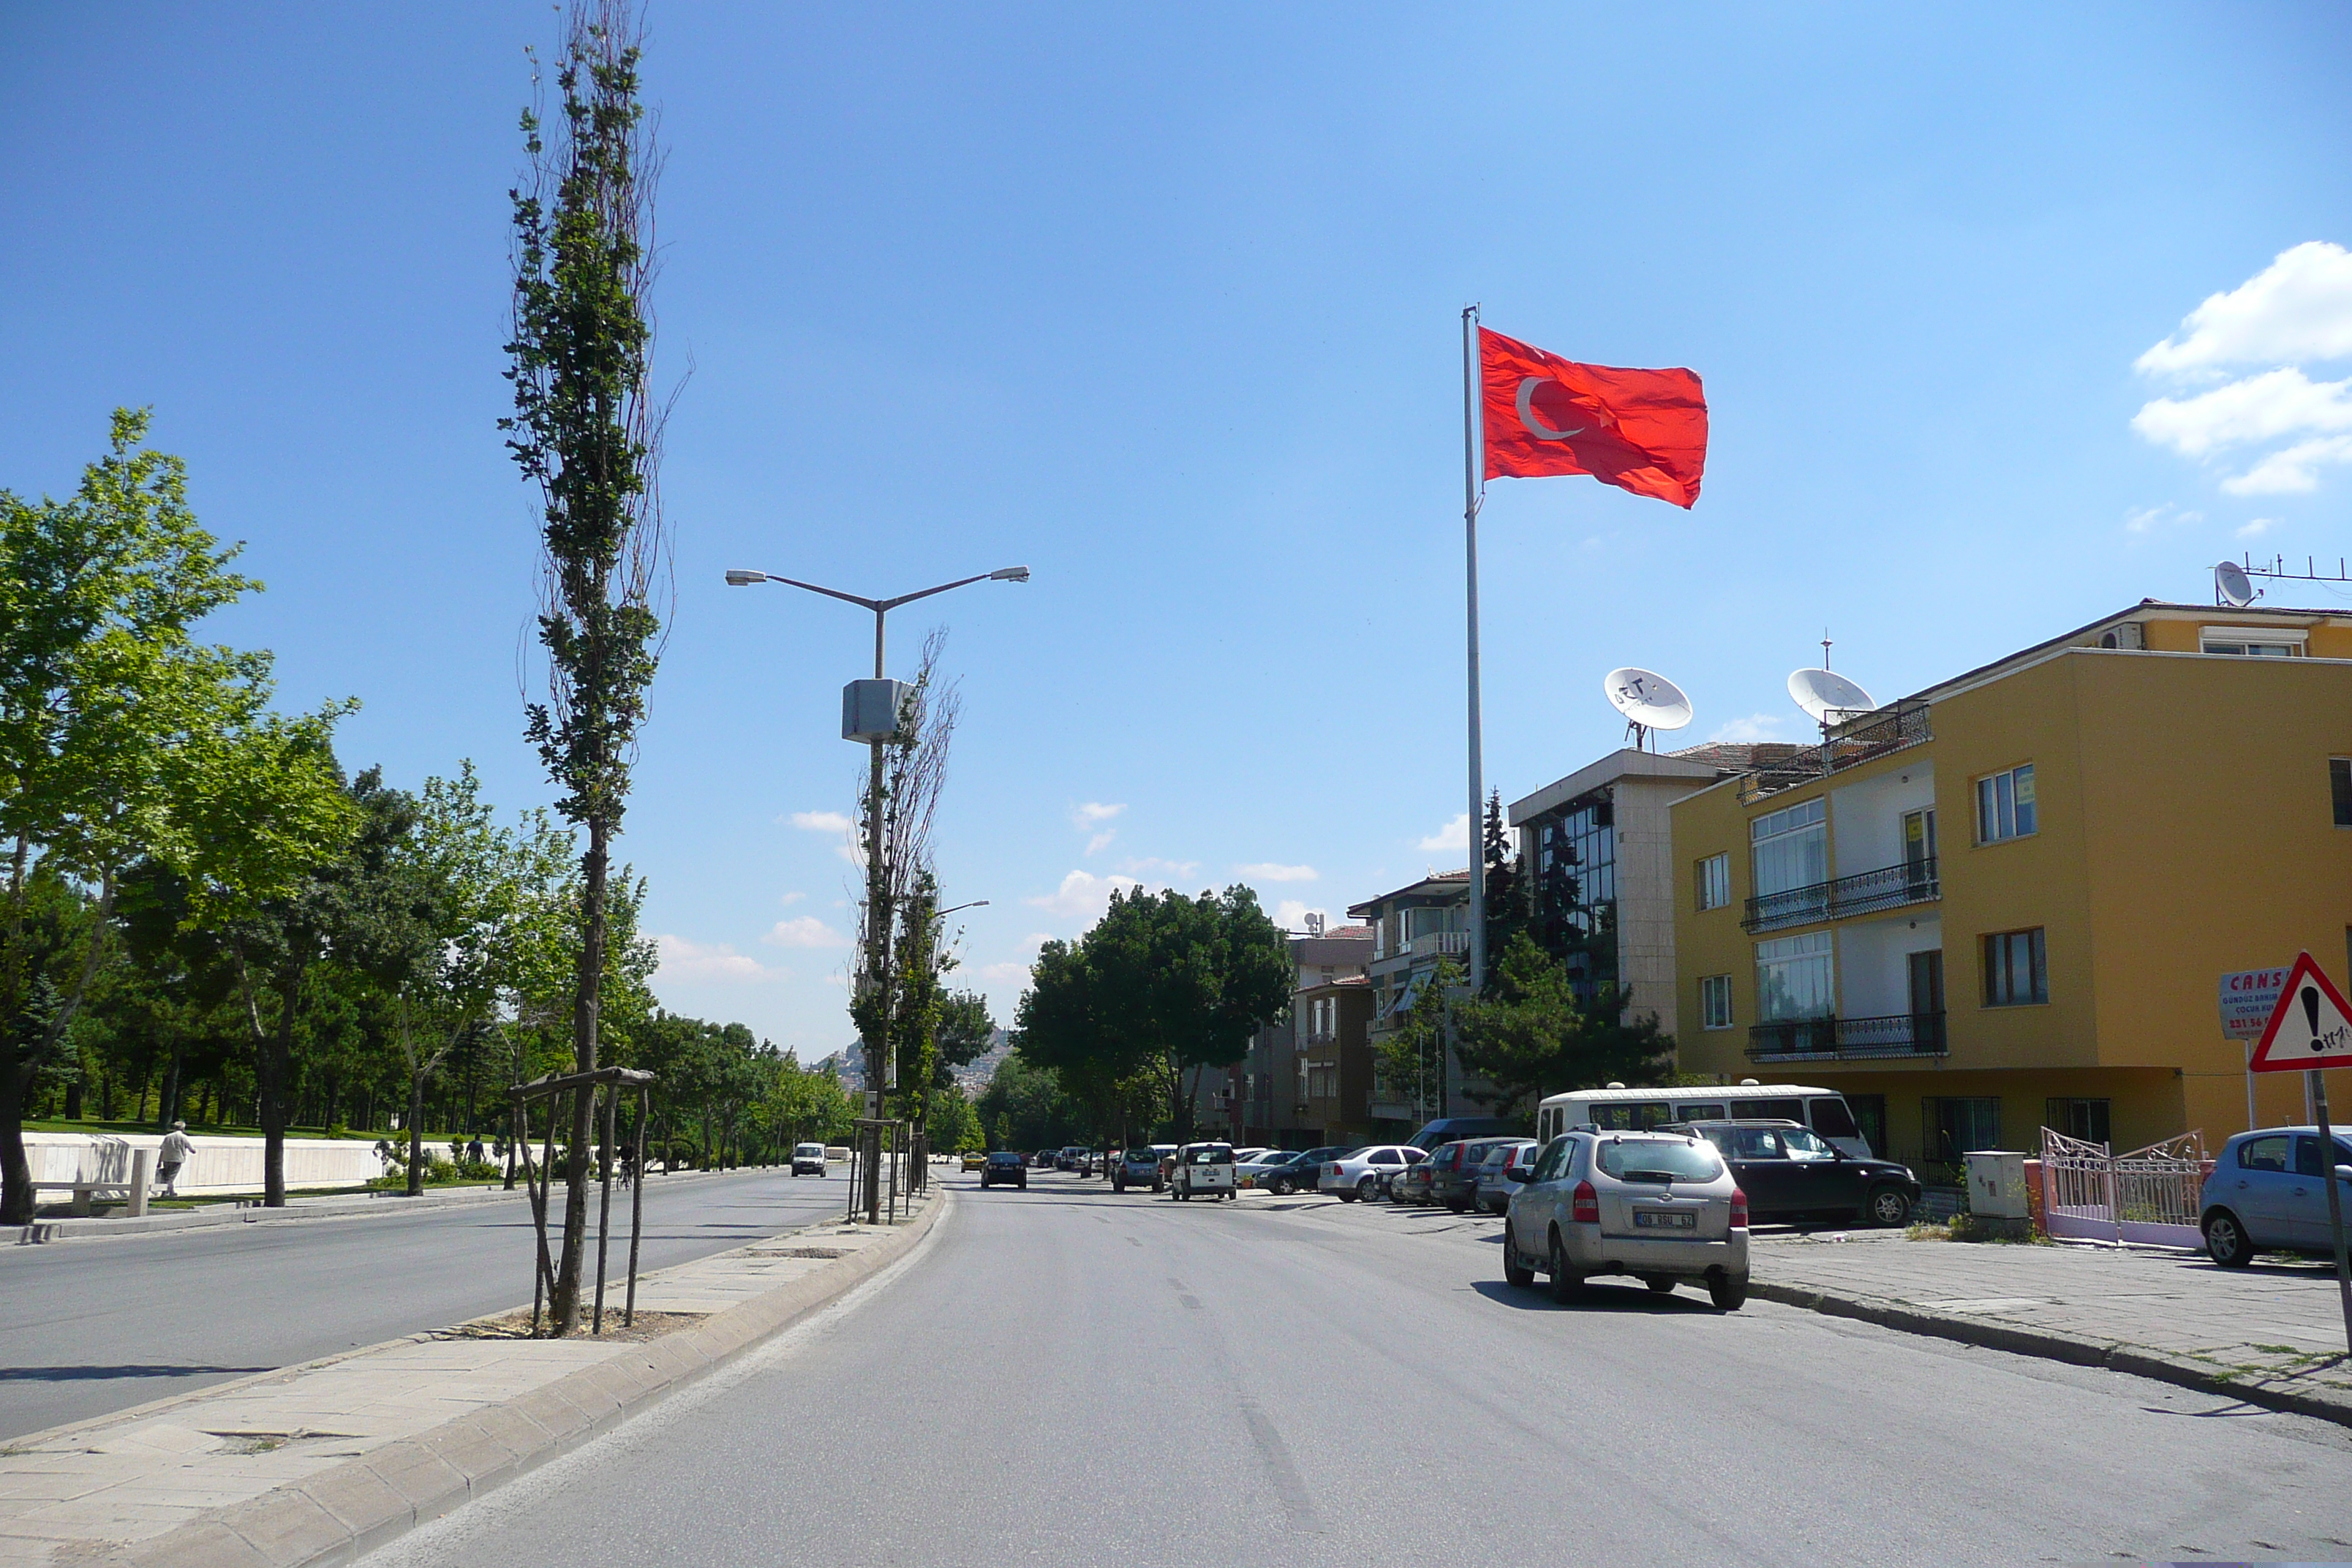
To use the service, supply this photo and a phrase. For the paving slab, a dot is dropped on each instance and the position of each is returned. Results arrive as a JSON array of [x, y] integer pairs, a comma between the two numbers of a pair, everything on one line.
[[322, 1462], [2275, 1334]]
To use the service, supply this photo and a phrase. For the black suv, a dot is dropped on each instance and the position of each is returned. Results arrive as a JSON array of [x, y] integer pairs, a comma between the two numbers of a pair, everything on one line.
[[1004, 1165], [1788, 1169]]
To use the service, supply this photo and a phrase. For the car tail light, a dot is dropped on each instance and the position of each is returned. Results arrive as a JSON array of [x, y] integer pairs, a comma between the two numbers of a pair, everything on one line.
[[1584, 1206], [1739, 1209]]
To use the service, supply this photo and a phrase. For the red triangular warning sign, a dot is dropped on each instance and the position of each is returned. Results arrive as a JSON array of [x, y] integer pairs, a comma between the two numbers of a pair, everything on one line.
[[2310, 1027]]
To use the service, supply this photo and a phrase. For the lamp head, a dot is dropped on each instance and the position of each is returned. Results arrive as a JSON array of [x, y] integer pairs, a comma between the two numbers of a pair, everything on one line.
[[1009, 574], [737, 578]]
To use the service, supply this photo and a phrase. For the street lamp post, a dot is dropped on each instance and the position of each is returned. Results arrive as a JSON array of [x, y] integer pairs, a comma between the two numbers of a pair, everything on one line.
[[877, 899]]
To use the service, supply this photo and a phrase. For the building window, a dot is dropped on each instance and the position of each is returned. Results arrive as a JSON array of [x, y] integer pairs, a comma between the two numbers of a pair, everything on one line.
[[1794, 978], [1715, 881], [1956, 1125], [2084, 1118], [2250, 642], [2005, 807], [2016, 969], [1791, 847], [1715, 1002], [2339, 786]]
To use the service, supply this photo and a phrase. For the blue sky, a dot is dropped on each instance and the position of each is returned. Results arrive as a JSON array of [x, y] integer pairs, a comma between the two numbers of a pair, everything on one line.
[[1164, 305]]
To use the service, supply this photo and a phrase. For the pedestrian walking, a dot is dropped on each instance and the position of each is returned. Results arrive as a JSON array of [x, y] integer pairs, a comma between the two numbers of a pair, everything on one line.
[[474, 1151], [173, 1155]]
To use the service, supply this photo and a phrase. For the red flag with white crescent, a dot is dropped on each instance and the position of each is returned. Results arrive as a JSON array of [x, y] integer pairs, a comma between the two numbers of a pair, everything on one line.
[[1641, 430]]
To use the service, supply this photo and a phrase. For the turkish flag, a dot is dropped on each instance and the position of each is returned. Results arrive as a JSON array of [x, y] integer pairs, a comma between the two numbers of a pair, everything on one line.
[[1641, 430]]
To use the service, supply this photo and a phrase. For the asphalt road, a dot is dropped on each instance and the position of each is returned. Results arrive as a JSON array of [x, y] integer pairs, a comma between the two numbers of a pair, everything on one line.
[[1065, 1376], [87, 1327]]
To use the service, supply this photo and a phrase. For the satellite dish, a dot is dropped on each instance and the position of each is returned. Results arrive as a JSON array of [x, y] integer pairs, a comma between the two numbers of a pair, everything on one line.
[[1646, 698], [2231, 585], [1828, 696]]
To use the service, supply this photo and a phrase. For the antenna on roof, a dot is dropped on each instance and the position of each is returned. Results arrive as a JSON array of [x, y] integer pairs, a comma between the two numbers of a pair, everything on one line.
[[1648, 700], [2276, 571], [2232, 587]]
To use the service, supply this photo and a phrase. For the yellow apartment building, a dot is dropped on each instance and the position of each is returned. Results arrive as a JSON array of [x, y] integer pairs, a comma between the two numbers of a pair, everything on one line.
[[2007, 903]]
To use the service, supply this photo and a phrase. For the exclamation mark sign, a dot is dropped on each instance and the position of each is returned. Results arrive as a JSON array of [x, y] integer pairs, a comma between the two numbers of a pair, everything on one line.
[[2311, 1011]]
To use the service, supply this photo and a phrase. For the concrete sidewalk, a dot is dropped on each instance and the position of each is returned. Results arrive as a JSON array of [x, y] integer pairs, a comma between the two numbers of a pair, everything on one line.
[[2273, 1335], [325, 1462]]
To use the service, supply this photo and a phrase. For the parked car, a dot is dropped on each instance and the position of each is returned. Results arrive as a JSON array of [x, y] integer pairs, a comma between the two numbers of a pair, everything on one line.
[[808, 1159], [1365, 1173], [1003, 1168], [1072, 1158], [1298, 1171], [2268, 1193], [1789, 1171], [1140, 1167], [1453, 1170], [1660, 1206], [1446, 1129], [1044, 1159], [974, 1160], [1247, 1152], [1411, 1186], [1495, 1182], [1248, 1170], [1204, 1170]]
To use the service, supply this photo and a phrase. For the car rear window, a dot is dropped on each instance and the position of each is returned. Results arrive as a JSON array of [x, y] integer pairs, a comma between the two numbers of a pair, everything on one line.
[[1638, 1160], [1141, 1156], [1833, 1120], [1768, 1110], [1213, 1154]]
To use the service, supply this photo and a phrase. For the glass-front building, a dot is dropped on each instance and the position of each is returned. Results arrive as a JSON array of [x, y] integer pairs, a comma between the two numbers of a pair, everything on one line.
[[1576, 884]]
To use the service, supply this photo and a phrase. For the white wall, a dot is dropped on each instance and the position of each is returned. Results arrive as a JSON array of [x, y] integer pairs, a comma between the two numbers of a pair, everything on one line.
[[1866, 818], [1874, 963], [215, 1166]]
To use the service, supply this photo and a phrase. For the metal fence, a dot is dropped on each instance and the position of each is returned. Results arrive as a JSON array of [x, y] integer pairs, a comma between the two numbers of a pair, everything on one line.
[[2147, 1195]]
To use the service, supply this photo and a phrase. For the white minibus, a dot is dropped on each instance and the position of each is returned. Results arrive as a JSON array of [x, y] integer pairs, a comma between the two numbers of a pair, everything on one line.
[[1620, 1109]]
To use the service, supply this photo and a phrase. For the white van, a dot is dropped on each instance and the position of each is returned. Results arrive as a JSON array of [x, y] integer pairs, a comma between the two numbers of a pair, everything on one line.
[[1620, 1109], [1204, 1170]]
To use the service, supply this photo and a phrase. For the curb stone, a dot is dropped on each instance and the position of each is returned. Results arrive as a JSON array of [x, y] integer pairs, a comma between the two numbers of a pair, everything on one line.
[[341, 1514], [2113, 1355]]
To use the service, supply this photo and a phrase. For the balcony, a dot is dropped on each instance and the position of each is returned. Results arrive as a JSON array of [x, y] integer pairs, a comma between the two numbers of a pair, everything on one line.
[[1865, 738], [1438, 945], [1864, 893], [1849, 1039]]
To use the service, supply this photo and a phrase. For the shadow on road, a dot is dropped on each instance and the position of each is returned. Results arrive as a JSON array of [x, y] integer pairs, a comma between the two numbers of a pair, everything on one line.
[[100, 1374], [1612, 1299]]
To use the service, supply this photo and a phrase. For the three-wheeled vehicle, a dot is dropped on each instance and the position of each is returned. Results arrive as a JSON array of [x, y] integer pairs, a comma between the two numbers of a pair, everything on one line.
[[1204, 1170]]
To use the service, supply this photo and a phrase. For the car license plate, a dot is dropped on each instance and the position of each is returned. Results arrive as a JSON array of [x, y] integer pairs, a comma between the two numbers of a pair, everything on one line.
[[1665, 1220]]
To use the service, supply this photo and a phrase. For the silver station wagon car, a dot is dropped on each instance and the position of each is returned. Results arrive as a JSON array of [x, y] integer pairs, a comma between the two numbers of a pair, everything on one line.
[[1659, 1206]]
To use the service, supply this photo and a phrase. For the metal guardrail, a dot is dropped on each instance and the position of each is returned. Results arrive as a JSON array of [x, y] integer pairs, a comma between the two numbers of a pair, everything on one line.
[[1834, 1040], [1863, 893]]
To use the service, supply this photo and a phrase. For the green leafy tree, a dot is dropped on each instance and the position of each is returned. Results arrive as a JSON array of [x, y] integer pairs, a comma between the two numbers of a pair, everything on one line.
[[1534, 1036], [586, 429], [1029, 1107], [1411, 1059], [1508, 911]]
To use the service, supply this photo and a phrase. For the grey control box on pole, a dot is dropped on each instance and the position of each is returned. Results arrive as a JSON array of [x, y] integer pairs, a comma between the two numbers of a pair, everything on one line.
[[870, 709]]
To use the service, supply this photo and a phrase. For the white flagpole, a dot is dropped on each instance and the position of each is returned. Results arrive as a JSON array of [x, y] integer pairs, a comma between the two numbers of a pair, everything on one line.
[[1470, 467]]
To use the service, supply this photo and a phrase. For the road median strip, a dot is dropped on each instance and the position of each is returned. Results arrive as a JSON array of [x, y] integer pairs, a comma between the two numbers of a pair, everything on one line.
[[322, 1463]]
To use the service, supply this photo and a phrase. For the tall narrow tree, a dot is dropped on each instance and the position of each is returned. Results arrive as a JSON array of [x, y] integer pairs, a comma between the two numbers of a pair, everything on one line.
[[587, 430]]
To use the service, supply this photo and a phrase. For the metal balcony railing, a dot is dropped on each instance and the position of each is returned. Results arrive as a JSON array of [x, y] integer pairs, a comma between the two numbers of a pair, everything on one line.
[[1864, 737], [1439, 944], [1837, 1039], [1863, 893]]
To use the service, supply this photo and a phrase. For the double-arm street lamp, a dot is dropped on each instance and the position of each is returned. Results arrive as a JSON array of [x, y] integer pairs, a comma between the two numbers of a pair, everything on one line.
[[870, 713]]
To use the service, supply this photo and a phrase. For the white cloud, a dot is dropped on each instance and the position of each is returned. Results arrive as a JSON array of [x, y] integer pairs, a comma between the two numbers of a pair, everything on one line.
[[2290, 471], [1267, 871], [2295, 310], [1755, 727], [1153, 865], [1291, 915], [1002, 973], [1455, 835], [2148, 519], [1101, 841], [1094, 813], [834, 823], [789, 899], [1083, 896], [684, 959], [2282, 402], [805, 932], [2257, 527]]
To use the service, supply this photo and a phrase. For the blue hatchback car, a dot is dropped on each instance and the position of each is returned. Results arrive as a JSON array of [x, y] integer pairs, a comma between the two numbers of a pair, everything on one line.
[[2268, 1193]]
